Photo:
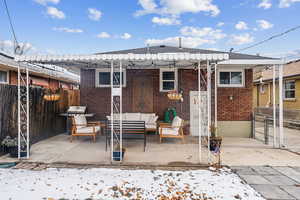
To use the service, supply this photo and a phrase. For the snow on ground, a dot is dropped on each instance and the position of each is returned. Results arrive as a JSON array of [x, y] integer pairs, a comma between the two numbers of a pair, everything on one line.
[[103, 183]]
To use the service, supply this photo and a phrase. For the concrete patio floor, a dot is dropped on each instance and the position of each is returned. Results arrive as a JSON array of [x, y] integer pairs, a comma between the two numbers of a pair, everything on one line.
[[235, 152]]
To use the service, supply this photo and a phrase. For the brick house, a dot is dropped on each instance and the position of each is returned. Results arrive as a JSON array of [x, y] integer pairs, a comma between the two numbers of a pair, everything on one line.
[[150, 73], [39, 77]]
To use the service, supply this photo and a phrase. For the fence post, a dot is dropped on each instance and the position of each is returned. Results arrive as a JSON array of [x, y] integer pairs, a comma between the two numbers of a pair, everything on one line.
[[253, 125], [266, 130]]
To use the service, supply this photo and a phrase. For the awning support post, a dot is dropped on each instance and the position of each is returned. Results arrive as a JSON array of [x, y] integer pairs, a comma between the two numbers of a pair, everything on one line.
[[208, 107], [199, 112], [274, 108], [216, 100], [112, 110], [281, 133], [23, 112]]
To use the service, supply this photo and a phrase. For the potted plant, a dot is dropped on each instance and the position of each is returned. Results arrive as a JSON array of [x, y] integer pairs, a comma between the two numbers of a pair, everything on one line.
[[215, 141], [11, 146], [117, 153]]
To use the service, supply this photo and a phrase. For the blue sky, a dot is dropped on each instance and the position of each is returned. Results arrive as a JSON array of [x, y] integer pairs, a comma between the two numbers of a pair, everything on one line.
[[89, 26]]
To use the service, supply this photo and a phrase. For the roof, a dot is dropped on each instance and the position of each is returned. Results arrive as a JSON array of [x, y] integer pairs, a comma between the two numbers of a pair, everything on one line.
[[171, 49], [291, 69], [8, 62]]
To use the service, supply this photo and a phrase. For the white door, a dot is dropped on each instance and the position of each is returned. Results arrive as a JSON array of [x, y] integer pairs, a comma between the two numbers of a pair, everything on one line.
[[194, 113]]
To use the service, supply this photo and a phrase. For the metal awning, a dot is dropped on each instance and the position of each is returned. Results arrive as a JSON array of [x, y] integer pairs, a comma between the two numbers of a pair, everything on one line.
[[131, 57]]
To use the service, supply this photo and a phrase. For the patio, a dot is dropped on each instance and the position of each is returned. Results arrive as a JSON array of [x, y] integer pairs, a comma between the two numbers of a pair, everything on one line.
[[235, 152]]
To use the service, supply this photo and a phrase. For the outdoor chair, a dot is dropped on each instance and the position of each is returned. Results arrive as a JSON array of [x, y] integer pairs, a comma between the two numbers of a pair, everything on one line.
[[80, 127], [173, 130]]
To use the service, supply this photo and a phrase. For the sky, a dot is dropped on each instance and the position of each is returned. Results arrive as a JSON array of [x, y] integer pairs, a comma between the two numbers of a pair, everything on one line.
[[91, 26]]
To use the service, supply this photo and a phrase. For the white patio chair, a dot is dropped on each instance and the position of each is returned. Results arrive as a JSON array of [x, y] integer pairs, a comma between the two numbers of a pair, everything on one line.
[[174, 130], [80, 127]]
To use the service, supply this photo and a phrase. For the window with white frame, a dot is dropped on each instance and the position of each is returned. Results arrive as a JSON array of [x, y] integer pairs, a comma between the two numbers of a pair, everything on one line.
[[103, 77], [289, 89], [4, 77], [231, 78], [168, 80]]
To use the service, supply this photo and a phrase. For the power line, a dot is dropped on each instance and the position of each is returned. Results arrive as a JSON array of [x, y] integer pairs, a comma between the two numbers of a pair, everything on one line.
[[16, 44], [270, 38]]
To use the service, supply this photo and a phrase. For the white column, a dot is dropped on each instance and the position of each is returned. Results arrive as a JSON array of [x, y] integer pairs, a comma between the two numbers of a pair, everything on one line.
[[281, 134], [121, 117], [208, 107], [27, 112], [199, 110], [112, 109], [274, 108], [216, 99], [19, 112]]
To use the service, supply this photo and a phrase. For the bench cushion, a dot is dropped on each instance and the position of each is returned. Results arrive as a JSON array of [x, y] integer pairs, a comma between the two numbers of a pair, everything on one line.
[[176, 123], [87, 130], [169, 131], [80, 120], [132, 116]]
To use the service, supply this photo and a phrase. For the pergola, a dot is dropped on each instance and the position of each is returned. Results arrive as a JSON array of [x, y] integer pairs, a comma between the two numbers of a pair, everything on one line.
[[116, 62]]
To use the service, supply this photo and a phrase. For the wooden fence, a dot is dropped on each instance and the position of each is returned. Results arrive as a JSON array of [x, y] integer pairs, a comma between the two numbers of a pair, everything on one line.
[[44, 115]]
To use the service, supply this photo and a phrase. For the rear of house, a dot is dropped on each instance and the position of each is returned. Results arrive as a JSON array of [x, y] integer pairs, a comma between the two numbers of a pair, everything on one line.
[[145, 90]]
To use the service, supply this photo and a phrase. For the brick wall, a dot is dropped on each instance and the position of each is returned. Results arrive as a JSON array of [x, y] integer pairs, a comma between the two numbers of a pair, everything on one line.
[[52, 83], [240, 108], [97, 100]]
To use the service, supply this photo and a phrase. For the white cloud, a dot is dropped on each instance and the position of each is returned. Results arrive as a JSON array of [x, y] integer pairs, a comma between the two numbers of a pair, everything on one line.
[[287, 3], [177, 7], [263, 24], [148, 5], [55, 13], [103, 35], [165, 21], [67, 30], [94, 14], [265, 4], [220, 24], [126, 36], [206, 32], [8, 46], [45, 2], [241, 25], [191, 42], [241, 39]]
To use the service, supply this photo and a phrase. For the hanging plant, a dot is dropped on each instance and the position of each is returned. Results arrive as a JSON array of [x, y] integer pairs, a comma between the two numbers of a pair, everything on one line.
[[174, 95], [51, 96]]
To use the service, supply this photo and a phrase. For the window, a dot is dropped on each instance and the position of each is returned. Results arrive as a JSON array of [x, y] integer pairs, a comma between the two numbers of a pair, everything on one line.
[[4, 77], [103, 78], [233, 78], [289, 90], [168, 80]]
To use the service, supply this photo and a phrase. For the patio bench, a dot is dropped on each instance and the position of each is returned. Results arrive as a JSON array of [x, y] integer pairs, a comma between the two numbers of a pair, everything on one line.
[[130, 130]]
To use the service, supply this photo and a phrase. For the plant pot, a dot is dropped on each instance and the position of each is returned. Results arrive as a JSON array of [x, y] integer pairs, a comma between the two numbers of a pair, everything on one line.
[[215, 143], [13, 152], [117, 154]]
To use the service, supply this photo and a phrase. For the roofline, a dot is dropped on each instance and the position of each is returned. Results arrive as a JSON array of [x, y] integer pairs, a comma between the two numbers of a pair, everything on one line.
[[271, 79], [211, 51]]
